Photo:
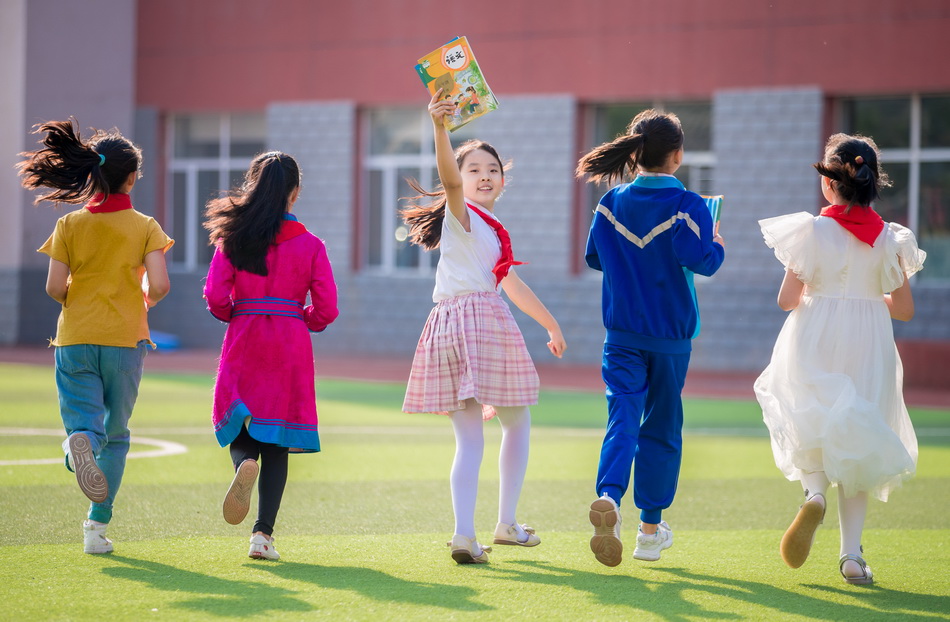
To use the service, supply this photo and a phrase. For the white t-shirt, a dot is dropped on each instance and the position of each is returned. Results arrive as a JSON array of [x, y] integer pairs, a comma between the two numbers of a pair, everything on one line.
[[467, 258]]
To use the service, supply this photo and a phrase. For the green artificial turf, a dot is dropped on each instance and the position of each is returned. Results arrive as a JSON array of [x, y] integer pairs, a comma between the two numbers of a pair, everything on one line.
[[363, 525]]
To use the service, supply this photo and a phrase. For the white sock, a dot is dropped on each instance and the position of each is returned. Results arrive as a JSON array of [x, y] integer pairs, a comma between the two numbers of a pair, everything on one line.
[[815, 483], [512, 462], [851, 514], [469, 447]]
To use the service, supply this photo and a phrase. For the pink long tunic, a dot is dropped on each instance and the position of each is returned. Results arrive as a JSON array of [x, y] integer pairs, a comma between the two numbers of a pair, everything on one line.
[[266, 369]]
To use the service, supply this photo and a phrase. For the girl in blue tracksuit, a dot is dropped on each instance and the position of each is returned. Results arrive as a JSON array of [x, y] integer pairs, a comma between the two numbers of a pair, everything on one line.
[[648, 237]]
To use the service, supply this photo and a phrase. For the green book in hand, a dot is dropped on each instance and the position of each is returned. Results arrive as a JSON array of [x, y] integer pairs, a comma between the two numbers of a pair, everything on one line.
[[453, 69], [714, 203]]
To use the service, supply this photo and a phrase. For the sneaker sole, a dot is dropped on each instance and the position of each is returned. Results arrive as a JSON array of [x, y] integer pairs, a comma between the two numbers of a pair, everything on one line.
[[606, 546], [237, 502], [91, 479], [464, 556], [645, 556], [98, 550], [797, 541], [256, 555]]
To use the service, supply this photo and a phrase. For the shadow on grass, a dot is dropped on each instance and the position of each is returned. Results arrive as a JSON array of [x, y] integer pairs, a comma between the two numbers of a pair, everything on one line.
[[380, 586], [216, 596], [666, 598], [896, 602]]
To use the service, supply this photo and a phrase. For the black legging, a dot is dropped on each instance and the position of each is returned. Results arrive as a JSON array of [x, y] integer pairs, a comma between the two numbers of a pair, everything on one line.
[[272, 479]]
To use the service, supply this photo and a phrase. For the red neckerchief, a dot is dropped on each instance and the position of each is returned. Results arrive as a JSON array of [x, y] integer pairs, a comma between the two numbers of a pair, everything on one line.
[[507, 258], [289, 229], [863, 222], [115, 203]]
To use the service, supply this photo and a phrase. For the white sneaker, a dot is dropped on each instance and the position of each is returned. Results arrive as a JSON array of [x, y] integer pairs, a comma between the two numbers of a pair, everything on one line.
[[606, 544], [649, 546], [94, 538], [262, 547]]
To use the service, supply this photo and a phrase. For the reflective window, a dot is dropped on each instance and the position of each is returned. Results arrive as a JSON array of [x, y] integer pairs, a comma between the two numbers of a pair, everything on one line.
[[913, 133], [209, 155], [398, 147]]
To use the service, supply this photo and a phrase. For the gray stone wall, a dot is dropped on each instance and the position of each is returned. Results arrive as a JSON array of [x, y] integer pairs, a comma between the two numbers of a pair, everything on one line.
[[765, 142]]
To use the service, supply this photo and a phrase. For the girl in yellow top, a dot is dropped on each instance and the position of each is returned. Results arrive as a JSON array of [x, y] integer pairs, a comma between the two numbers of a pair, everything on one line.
[[98, 257]]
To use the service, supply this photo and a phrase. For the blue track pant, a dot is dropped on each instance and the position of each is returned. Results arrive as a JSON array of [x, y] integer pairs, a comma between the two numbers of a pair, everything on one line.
[[644, 427]]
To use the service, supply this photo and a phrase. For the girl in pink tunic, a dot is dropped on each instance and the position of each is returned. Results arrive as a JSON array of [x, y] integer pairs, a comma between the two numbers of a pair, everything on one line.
[[264, 266]]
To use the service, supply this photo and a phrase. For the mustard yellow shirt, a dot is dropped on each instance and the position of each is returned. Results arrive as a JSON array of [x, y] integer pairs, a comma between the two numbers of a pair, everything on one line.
[[105, 251]]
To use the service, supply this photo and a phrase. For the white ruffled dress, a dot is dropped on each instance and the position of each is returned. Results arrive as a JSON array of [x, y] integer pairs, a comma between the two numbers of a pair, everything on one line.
[[831, 395]]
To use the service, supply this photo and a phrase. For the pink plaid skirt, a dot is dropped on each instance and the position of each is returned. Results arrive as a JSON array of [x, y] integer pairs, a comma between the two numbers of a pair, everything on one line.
[[471, 347]]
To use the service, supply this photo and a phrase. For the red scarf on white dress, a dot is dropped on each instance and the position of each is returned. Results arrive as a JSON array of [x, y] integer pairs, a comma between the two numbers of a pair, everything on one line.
[[507, 259], [863, 222]]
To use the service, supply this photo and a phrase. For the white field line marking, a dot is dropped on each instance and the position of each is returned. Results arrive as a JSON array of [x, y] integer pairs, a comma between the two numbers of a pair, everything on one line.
[[165, 448]]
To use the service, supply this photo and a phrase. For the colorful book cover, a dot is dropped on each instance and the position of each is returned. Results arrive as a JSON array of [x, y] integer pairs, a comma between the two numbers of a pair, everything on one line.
[[453, 69], [714, 203]]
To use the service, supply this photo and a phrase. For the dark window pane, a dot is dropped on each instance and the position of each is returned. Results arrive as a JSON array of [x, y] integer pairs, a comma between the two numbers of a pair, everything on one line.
[[893, 204], [235, 179], [248, 134], [179, 221], [696, 118], [935, 121], [407, 254], [208, 188], [198, 136], [394, 130], [374, 218], [887, 121], [934, 234]]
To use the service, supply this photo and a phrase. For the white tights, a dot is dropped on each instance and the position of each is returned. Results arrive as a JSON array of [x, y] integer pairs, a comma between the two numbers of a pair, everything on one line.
[[469, 447], [851, 511]]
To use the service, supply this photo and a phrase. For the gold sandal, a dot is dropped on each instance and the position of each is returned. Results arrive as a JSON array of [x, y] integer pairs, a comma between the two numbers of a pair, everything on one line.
[[508, 534], [464, 550]]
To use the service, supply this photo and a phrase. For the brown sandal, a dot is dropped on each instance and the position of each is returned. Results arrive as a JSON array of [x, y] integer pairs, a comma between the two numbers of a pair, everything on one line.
[[800, 535]]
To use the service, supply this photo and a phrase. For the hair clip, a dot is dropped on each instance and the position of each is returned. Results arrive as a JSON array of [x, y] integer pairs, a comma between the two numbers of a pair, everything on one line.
[[858, 159], [102, 159]]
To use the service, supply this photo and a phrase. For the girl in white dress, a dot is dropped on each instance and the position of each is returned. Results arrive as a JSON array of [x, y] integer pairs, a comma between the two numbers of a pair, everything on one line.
[[832, 393]]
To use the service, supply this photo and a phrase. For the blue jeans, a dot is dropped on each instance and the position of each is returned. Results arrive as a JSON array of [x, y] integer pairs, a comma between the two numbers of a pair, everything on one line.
[[97, 388], [644, 427]]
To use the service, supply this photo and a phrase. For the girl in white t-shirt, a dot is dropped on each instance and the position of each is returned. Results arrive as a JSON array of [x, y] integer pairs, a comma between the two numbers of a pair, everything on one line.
[[471, 362]]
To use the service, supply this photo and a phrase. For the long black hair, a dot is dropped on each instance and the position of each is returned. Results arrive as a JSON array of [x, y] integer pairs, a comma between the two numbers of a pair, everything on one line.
[[650, 139], [425, 217], [75, 169], [853, 162], [246, 221]]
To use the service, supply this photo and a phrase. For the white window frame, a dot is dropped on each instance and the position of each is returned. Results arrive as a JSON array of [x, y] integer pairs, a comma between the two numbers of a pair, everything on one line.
[[194, 233], [388, 165], [913, 157]]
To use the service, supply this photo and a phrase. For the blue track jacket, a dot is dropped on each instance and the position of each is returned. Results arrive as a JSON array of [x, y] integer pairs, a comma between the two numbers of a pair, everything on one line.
[[648, 238]]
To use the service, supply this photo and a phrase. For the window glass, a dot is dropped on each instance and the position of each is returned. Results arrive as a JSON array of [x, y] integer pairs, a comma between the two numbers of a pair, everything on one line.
[[198, 136], [395, 130], [893, 203], [887, 121], [934, 235], [179, 217], [935, 121], [407, 254], [375, 220], [210, 154], [248, 134], [208, 187]]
